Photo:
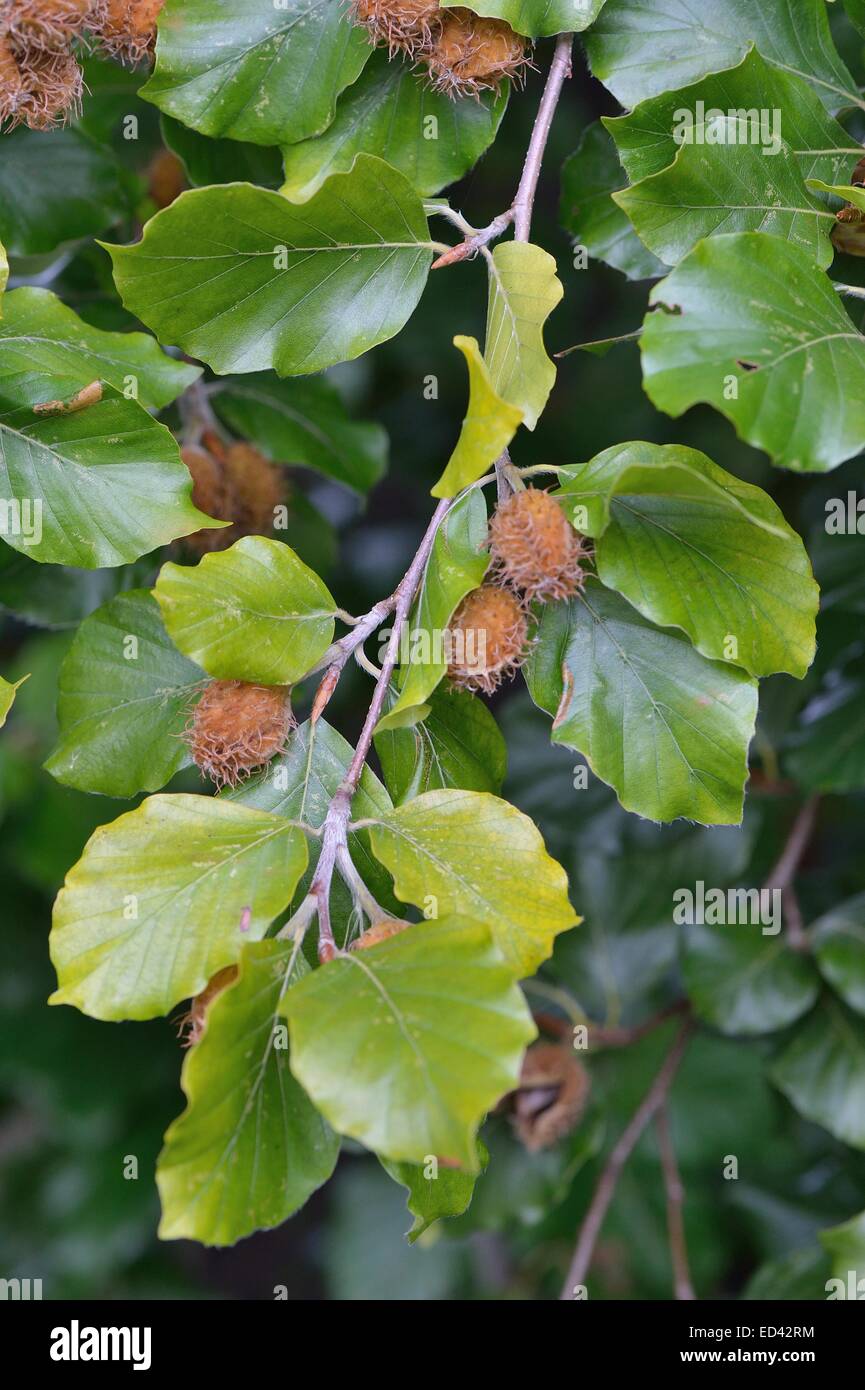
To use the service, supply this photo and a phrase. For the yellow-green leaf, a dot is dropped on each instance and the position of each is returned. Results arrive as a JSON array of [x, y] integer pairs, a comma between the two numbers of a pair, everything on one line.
[[254, 612], [250, 1147], [488, 428], [472, 854], [166, 896], [523, 291], [406, 1046], [7, 697]]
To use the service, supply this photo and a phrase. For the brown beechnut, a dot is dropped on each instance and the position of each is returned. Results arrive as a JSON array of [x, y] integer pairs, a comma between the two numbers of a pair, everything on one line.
[[377, 932], [551, 1097], [488, 639], [236, 728], [128, 29], [232, 482], [534, 547], [166, 178], [191, 1025], [464, 54], [404, 25], [41, 82], [50, 24], [470, 55]]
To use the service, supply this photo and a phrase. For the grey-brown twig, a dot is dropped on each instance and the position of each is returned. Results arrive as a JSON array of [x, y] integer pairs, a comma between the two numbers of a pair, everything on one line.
[[618, 1157], [520, 211], [560, 70], [334, 834]]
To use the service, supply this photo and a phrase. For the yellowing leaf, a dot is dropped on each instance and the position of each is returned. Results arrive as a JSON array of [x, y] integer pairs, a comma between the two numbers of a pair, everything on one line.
[[166, 896], [7, 697], [254, 612], [475, 855], [524, 290], [488, 428]]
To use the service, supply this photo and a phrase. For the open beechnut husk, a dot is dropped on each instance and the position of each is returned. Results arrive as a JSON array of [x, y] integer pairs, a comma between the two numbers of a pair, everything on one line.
[[41, 41], [462, 53]]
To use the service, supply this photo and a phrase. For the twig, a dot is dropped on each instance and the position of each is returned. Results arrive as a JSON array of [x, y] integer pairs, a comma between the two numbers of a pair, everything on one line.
[[675, 1193], [334, 837], [787, 867], [560, 69], [476, 241], [520, 211], [619, 1155]]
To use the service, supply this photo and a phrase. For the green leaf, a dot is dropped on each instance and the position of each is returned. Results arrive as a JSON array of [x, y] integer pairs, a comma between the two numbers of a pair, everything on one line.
[[706, 190], [304, 422], [850, 192], [300, 784], [790, 378], [846, 1245], [433, 1192], [457, 564], [165, 897], [407, 1045], [822, 1071], [47, 353], [690, 546], [646, 137], [7, 697], [523, 291], [473, 855], [488, 428], [742, 982], [253, 612], [249, 1148], [458, 744], [428, 136], [244, 280], [53, 596], [538, 19], [796, 1276], [105, 484], [589, 178], [208, 161], [667, 729], [55, 187], [638, 48], [124, 698], [258, 73], [838, 942]]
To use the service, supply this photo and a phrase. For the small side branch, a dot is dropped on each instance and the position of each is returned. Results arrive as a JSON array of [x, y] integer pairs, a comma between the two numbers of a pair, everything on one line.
[[784, 873], [675, 1193], [619, 1155]]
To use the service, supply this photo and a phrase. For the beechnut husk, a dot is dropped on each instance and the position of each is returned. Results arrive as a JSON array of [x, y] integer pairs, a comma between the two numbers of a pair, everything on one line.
[[535, 556], [462, 53], [42, 41]]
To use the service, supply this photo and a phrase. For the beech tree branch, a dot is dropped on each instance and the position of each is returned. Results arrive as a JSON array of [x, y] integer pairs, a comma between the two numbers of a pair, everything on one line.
[[334, 833], [675, 1193], [618, 1157], [787, 867]]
